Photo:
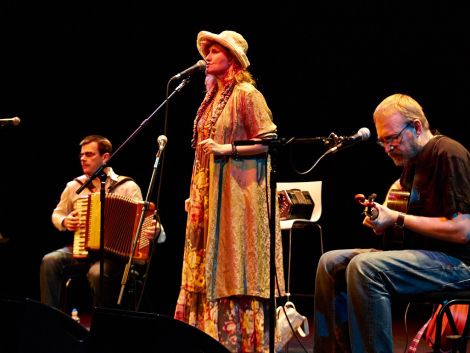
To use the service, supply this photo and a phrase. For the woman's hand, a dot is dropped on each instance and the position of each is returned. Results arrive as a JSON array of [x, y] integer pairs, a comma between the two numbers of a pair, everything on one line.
[[209, 146], [186, 204]]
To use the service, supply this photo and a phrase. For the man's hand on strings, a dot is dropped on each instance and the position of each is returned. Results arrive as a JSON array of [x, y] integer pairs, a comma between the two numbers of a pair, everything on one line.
[[385, 219]]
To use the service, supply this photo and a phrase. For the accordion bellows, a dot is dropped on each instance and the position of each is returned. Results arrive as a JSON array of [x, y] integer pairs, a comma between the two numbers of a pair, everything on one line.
[[121, 220]]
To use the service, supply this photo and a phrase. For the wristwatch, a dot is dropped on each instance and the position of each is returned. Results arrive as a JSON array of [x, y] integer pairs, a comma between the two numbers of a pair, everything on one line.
[[400, 222]]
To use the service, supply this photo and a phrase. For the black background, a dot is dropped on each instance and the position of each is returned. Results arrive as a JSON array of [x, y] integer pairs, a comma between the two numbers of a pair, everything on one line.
[[71, 69]]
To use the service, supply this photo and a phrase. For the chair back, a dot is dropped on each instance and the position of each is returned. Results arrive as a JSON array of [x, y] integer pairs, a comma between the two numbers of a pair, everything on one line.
[[314, 188]]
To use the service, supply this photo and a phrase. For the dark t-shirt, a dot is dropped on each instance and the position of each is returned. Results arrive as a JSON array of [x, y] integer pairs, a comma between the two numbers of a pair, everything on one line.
[[439, 183]]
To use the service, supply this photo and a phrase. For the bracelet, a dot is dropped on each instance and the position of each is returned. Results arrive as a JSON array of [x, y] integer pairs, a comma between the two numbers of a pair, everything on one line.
[[400, 222], [234, 151]]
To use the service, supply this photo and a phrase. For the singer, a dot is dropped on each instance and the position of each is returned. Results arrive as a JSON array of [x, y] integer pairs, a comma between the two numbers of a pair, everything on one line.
[[354, 288], [225, 274]]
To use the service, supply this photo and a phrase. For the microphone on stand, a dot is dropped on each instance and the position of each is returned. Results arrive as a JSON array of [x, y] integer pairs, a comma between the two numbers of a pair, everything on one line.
[[162, 140], [362, 134], [12, 121], [200, 65]]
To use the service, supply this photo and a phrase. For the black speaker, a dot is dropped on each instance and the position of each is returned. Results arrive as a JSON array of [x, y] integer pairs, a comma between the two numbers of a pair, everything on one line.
[[115, 331], [28, 326]]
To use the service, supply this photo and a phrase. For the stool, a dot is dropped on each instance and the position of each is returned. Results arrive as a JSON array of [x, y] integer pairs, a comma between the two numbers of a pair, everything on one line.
[[446, 299], [74, 275]]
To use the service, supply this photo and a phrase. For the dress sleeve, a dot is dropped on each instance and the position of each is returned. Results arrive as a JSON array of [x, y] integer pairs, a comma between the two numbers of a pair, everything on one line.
[[258, 120]]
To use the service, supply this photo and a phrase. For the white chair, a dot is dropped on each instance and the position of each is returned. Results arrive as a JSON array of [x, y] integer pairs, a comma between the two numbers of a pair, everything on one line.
[[315, 190]]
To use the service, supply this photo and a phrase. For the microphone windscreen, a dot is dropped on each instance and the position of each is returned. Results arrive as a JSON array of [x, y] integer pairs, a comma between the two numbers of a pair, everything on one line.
[[364, 133]]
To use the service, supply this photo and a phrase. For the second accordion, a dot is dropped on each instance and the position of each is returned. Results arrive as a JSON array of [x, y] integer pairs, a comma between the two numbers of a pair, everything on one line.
[[295, 204]]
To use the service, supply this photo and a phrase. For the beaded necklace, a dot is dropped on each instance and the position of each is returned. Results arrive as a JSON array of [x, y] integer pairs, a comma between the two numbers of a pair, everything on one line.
[[209, 124]]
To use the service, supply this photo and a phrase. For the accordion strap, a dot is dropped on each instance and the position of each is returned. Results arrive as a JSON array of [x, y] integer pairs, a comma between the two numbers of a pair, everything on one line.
[[114, 184], [121, 180], [89, 186]]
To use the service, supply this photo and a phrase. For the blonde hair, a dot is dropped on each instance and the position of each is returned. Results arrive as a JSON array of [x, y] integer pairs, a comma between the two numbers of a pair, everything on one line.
[[237, 73], [405, 105], [245, 76]]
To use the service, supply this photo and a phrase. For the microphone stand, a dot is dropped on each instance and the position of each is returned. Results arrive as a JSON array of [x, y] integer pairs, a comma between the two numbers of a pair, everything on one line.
[[139, 229], [273, 150], [100, 170], [103, 177]]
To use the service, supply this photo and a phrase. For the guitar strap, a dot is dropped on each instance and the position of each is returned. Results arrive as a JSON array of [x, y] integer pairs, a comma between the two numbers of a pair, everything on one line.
[[413, 347]]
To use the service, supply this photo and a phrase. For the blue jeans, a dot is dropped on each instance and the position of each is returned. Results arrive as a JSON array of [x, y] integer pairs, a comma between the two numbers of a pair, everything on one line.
[[51, 277], [354, 289]]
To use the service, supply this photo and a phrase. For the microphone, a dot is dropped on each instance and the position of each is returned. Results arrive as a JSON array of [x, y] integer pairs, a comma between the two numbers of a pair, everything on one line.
[[162, 140], [12, 121], [362, 134], [200, 65]]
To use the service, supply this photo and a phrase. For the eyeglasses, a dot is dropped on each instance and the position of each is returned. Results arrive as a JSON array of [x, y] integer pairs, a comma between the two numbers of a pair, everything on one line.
[[395, 139], [86, 154]]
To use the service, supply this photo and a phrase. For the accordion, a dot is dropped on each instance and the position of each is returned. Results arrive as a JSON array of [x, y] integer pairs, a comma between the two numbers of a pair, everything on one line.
[[121, 220], [295, 204]]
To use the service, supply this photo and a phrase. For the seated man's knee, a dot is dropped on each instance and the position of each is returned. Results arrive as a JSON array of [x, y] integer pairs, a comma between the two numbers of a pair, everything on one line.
[[93, 275], [362, 264], [50, 262]]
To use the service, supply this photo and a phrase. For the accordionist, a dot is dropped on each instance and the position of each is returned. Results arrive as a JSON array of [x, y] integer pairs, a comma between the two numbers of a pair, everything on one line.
[[95, 150]]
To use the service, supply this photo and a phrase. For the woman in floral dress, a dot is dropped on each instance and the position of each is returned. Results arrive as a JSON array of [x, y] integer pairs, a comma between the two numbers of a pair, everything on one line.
[[225, 277]]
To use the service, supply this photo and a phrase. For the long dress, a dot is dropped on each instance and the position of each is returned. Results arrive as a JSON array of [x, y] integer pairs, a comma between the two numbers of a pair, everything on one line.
[[225, 276]]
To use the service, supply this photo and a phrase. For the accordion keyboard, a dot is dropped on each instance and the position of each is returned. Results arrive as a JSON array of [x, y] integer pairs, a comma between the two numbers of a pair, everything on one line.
[[79, 239]]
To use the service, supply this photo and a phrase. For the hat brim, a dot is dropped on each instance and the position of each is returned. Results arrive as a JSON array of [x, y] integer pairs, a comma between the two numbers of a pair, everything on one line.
[[206, 39]]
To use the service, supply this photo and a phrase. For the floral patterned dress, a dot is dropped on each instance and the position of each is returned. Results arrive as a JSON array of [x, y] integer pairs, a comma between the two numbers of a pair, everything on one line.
[[225, 276]]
